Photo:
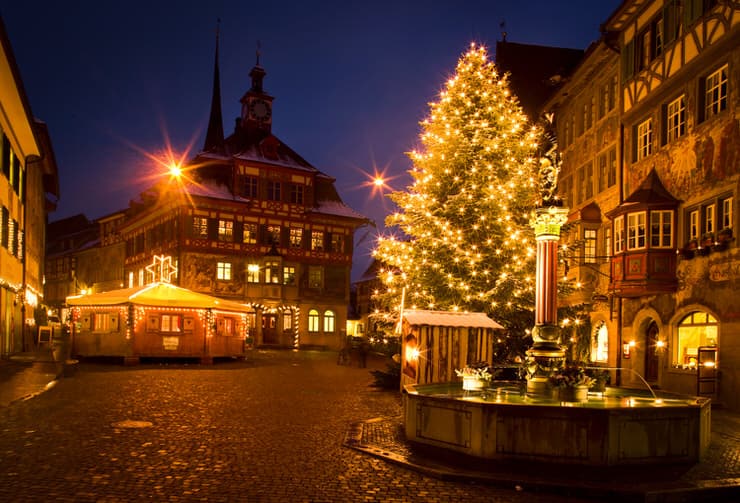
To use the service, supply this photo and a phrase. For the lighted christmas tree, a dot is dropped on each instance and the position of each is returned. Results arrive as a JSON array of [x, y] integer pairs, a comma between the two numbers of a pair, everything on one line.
[[466, 242]]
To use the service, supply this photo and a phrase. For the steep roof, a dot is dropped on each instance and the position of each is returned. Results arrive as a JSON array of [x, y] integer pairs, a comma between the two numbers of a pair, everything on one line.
[[536, 71]]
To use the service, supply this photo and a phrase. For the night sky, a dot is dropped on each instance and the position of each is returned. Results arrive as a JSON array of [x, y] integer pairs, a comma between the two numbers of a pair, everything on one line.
[[351, 79]]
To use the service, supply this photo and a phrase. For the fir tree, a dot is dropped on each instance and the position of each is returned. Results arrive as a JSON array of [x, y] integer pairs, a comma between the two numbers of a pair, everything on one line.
[[466, 238]]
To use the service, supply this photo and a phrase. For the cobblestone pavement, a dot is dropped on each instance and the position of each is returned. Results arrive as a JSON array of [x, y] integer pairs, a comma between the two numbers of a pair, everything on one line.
[[268, 429]]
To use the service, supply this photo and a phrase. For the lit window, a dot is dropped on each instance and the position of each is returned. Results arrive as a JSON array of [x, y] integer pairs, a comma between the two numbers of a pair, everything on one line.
[[225, 230], [287, 320], [676, 119], [170, 323], [317, 240], [607, 241], [272, 272], [227, 326], [709, 219], [727, 213], [589, 246], [253, 273], [694, 224], [644, 139], [141, 277], [328, 321], [250, 234], [131, 279], [289, 275], [223, 271], [296, 237], [694, 331], [636, 231], [715, 93], [619, 234], [600, 344], [313, 320], [200, 227], [661, 229]]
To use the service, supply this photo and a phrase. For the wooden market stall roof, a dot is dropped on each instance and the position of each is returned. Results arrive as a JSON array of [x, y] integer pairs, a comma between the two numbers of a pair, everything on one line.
[[449, 319], [157, 295]]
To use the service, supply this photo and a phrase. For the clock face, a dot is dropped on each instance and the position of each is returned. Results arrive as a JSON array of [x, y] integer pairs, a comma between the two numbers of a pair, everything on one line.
[[260, 110]]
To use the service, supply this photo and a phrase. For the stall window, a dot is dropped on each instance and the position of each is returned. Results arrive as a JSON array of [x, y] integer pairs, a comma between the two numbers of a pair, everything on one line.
[[170, 323], [101, 322], [695, 330]]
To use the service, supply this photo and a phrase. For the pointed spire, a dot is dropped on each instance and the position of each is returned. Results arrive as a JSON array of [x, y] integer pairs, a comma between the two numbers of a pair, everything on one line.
[[215, 133], [258, 73]]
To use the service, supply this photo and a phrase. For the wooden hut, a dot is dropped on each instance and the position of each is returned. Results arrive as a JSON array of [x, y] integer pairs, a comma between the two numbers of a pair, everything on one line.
[[435, 343], [157, 320]]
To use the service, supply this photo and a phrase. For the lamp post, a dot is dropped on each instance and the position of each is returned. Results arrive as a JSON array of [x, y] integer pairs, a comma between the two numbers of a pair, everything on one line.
[[546, 352]]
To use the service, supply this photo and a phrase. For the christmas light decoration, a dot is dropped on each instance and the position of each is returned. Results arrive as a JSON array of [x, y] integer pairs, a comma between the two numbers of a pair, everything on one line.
[[466, 240]]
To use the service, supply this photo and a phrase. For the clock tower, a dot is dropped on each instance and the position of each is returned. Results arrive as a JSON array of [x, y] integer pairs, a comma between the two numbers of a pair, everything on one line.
[[256, 104]]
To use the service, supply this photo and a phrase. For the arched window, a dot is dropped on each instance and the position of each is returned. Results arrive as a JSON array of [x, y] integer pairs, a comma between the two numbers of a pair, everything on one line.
[[694, 330], [313, 320], [328, 321], [600, 344]]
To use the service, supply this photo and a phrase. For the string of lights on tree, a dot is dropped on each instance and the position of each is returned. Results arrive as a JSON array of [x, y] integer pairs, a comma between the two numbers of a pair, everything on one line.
[[465, 237]]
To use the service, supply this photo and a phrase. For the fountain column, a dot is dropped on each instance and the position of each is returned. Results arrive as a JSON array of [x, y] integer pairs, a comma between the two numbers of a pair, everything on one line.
[[546, 353]]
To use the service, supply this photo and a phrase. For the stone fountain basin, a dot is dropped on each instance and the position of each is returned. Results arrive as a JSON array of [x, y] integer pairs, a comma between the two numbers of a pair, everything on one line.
[[617, 427]]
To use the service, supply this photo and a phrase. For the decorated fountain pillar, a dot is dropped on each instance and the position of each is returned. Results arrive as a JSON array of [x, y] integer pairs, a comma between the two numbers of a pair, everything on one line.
[[546, 353]]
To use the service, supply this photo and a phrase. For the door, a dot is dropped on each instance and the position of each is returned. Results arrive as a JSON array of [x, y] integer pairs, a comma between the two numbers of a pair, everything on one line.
[[651, 355], [269, 329]]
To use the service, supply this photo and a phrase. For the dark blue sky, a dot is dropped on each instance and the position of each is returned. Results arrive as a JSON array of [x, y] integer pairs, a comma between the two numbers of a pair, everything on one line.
[[351, 79]]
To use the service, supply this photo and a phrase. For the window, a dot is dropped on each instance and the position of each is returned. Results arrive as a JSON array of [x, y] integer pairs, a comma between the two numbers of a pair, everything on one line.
[[223, 271], [315, 277], [131, 279], [287, 320], [249, 187], [608, 241], [226, 326], [612, 168], [313, 320], [656, 46], [675, 119], [602, 167], [709, 218], [170, 323], [337, 243], [273, 190], [589, 246], [715, 93], [296, 194], [101, 322], [317, 240], [580, 185], [273, 234], [289, 275], [296, 237], [253, 273], [200, 227], [328, 321], [589, 184], [225, 230], [644, 139], [636, 231], [695, 330], [141, 277], [250, 234], [726, 205], [661, 229], [619, 234], [694, 224], [272, 272], [600, 344]]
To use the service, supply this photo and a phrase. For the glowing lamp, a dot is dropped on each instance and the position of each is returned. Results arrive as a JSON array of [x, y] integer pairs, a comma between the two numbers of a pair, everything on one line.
[[175, 170]]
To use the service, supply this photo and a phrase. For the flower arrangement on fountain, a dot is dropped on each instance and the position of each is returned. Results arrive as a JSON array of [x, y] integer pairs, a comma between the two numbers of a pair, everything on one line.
[[475, 377], [571, 376]]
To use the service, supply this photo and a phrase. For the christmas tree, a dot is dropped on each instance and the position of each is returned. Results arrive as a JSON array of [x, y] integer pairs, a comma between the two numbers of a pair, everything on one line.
[[465, 240]]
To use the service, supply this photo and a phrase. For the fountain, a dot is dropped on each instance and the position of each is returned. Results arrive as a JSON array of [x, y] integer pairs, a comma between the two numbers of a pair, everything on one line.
[[619, 426]]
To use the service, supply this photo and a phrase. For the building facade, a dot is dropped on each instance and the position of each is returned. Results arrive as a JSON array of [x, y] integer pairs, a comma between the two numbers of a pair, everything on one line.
[[650, 132], [28, 176]]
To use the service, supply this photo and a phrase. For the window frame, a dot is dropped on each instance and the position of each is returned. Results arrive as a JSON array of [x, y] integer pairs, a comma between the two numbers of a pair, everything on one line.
[[329, 321], [225, 230], [313, 321], [589, 245], [658, 217], [636, 230], [253, 273], [295, 237], [619, 235], [200, 227], [644, 139], [715, 94], [250, 232], [224, 271], [675, 117]]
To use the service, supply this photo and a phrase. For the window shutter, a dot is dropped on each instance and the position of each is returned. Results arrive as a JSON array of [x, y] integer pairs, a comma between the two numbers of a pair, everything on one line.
[[238, 231], [5, 228], [213, 229]]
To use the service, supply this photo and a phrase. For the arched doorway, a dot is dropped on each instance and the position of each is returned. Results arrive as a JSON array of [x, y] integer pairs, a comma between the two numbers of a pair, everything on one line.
[[652, 360]]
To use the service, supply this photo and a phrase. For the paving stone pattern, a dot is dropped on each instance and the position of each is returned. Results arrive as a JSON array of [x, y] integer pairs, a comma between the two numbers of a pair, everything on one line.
[[268, 429]]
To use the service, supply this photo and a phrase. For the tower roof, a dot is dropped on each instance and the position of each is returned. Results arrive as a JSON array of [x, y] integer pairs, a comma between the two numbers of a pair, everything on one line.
[[215, 133]]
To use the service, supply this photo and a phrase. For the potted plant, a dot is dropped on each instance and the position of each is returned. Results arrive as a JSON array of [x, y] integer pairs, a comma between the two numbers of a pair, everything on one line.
[[572, 383], [707, 241], [475, 377], [689, 250], [723, 239], [600, 377]]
